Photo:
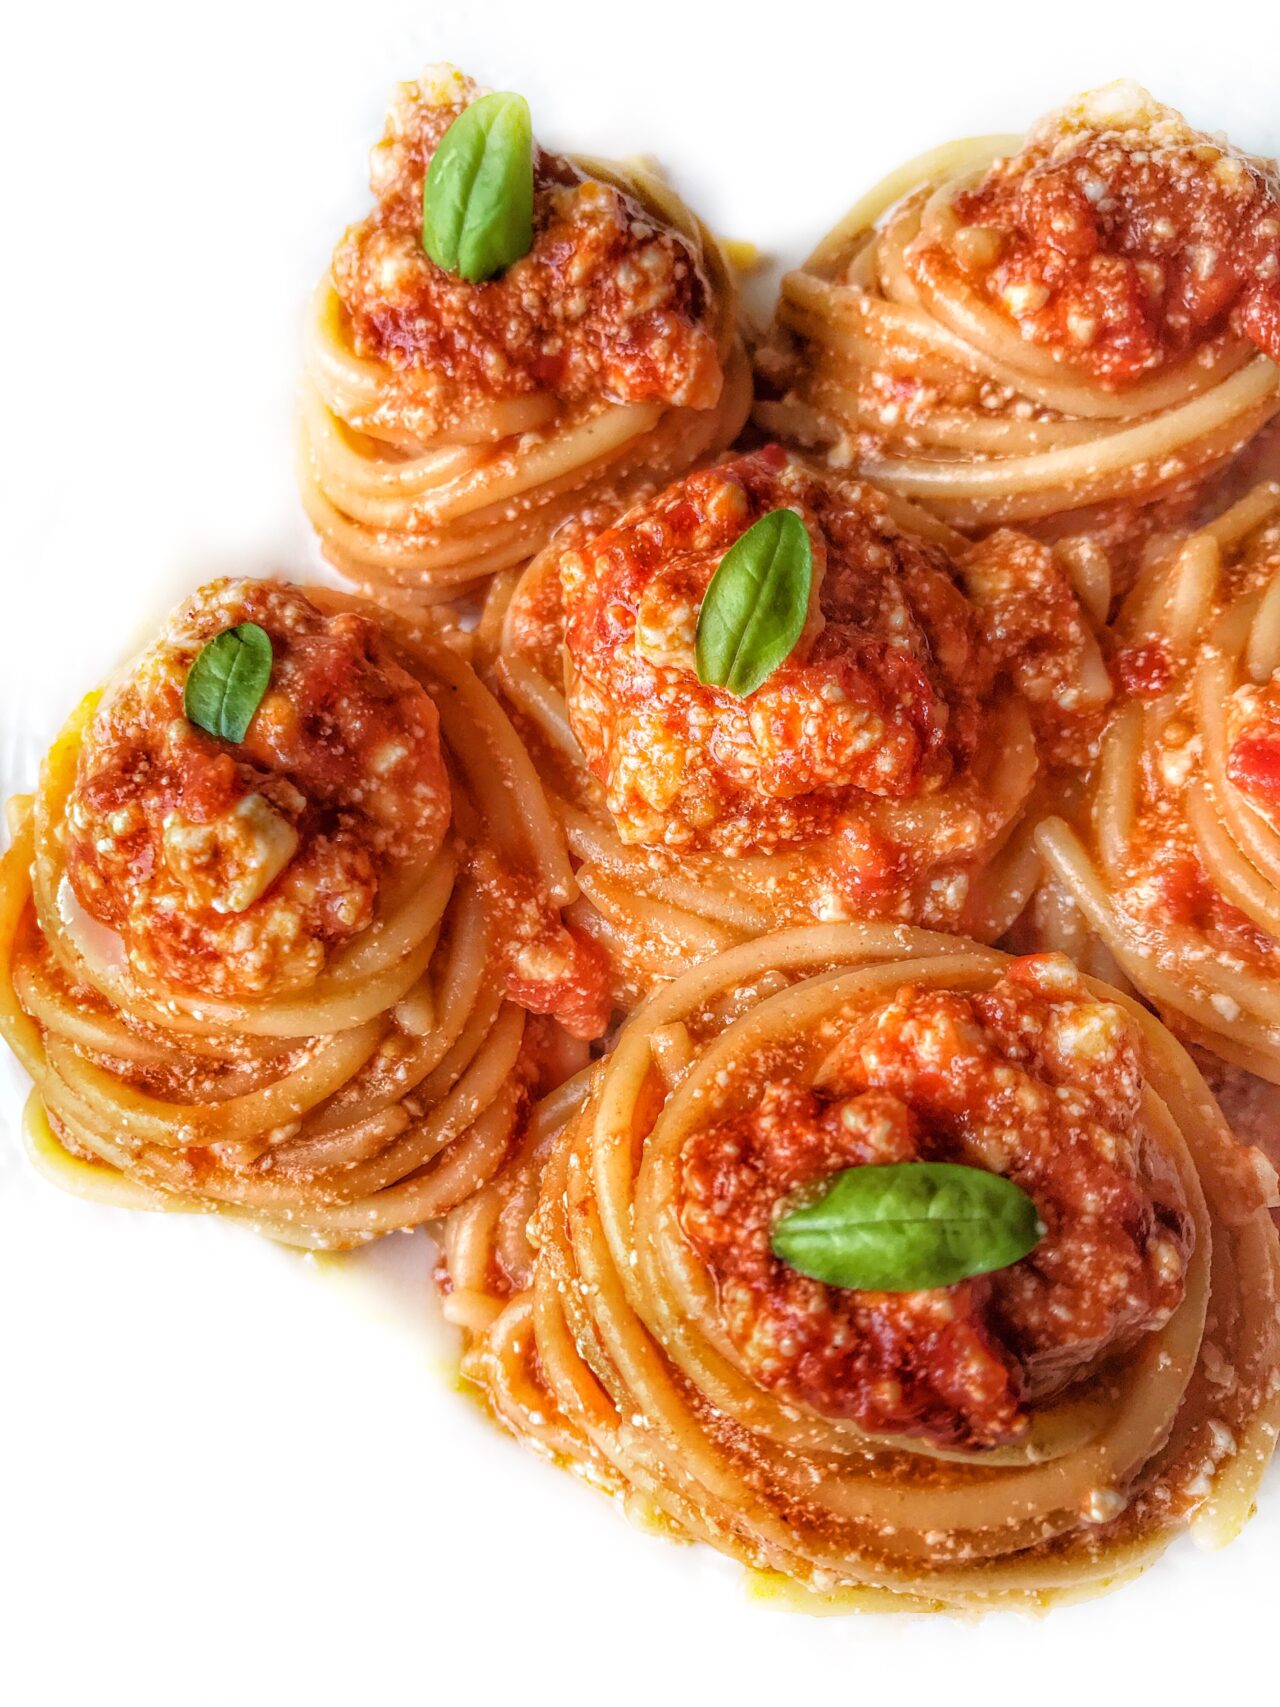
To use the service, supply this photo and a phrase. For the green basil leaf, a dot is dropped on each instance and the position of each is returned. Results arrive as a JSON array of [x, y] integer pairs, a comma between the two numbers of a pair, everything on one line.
[[227, 680], [908, 1225], [477, 200], [755, 608]]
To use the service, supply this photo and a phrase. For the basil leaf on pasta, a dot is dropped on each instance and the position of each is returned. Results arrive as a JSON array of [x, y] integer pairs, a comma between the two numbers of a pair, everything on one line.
[[227, 680], [754, 610], [477, 200], [905, 1226]]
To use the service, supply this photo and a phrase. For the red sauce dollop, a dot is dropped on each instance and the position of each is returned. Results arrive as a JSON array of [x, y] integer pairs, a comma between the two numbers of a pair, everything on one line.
[[1033, 1079], [172, 832], [608, 303], [1124, 239]]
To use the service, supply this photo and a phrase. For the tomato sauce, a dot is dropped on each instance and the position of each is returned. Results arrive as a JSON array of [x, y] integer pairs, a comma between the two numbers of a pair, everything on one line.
[[880, 694], [1033, 1079], [882, 698], [1253, 754], [608, 303], [1144, 671], [1162, 880], [232, 869], [547, 966], [1120, 239]]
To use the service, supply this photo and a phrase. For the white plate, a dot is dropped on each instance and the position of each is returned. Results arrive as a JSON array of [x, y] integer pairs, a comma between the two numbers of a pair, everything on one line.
[[229, 1474]]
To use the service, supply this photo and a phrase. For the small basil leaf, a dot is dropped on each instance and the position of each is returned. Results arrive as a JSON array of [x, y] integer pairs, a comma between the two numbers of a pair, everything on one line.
[[906, 1226], [477, 200], [227, 680], [755, 608]]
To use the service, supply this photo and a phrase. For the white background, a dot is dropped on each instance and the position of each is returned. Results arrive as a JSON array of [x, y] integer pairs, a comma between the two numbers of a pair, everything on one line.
[[230, 1475]]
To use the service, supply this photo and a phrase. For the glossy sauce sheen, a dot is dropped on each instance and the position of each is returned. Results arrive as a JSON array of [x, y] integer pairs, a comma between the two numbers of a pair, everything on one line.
[[235, 869], [1253, 758], [882, 696], [1033, 1079], [607, 304], [1119, 239]]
